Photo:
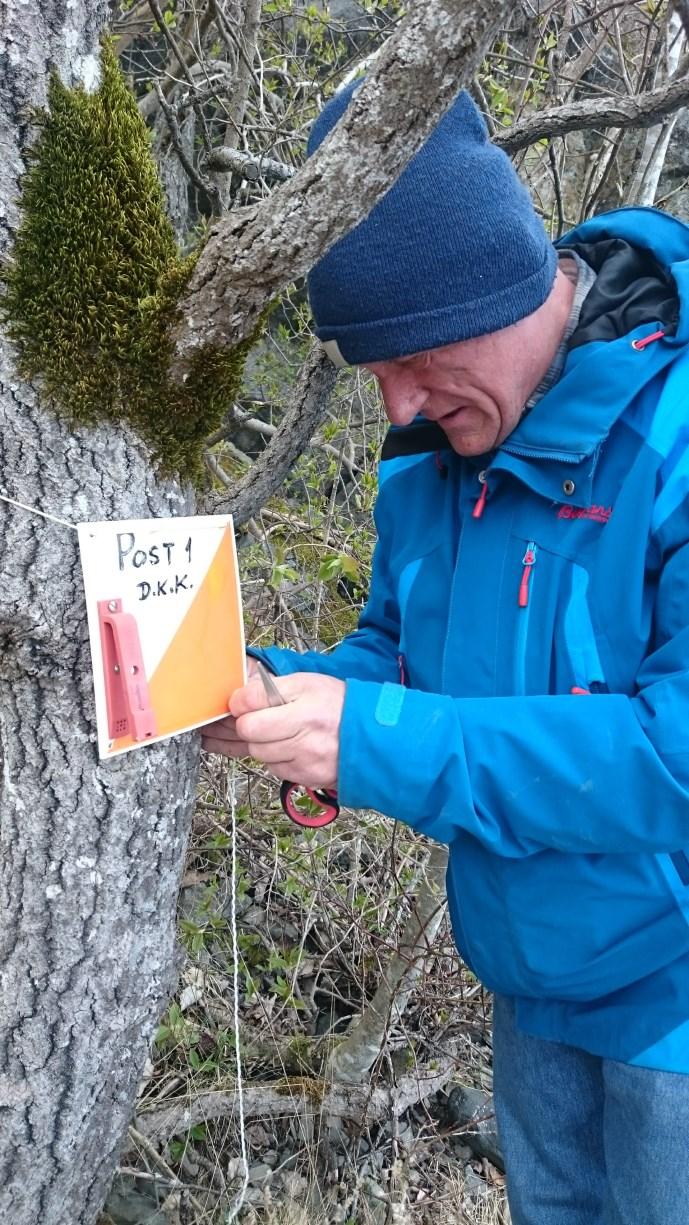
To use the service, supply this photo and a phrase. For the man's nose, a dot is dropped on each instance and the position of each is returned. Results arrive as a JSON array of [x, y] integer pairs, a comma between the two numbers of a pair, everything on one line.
[[403, 395]]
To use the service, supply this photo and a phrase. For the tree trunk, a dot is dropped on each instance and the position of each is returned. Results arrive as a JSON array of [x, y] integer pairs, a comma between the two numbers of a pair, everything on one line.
[[91, 854]]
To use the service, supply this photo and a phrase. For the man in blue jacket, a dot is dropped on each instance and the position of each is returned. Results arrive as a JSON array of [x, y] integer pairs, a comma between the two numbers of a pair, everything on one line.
[[518, 685]]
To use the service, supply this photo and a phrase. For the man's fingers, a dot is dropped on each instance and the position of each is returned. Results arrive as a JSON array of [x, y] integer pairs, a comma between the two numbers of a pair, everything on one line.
[[228, 748], [263, 727], [298, 739], [223, 737], [223, 729], [272, 756]]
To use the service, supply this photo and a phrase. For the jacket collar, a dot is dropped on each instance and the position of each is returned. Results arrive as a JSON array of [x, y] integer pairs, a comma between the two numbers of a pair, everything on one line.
[[559, 439]]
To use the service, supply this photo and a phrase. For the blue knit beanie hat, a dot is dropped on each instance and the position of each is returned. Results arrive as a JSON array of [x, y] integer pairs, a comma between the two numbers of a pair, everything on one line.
[[453, 250]]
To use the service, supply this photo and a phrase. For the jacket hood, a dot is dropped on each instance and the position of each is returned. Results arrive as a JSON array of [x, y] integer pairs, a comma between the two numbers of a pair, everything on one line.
[[634, 323], [638, 256]]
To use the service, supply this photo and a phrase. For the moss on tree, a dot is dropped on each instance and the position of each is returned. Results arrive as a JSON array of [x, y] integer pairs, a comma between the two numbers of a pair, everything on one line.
[[95, 276]]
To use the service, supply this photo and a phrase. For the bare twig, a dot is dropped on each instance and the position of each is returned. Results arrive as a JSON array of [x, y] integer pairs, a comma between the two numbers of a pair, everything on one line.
[[266, 430], [144, 1143], [552, 157], [178, 54], [681, 8], [655, 146], [245, 44], [178, 145]]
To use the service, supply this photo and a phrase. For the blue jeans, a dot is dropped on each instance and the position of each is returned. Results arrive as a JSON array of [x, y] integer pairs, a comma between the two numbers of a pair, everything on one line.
[[586, 1140]]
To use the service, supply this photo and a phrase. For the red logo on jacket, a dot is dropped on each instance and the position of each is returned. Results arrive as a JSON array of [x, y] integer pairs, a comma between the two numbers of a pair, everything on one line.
[[600, 514]]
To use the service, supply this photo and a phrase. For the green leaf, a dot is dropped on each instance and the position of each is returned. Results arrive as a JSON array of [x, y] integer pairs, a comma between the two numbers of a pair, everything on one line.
[[350, 567], [283, 571], [330, 568]]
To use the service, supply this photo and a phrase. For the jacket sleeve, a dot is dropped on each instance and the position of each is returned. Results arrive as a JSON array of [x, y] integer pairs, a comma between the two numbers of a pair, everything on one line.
[[370, 653], [598, 773]]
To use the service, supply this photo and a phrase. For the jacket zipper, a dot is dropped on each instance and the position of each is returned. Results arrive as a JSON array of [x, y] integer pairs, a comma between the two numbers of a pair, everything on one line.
[[480, 503], [525, 583], [560, 457], [528, 563]]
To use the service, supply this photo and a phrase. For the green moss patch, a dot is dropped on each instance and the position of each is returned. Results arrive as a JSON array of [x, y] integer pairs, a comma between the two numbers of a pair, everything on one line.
[[95, 276]]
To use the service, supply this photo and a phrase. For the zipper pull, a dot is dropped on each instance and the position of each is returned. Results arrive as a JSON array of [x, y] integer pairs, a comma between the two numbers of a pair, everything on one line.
[[647, 340], [528, 562], [480, 503]]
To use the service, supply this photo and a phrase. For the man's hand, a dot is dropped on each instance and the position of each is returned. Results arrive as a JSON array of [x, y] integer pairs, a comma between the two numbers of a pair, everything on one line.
[[298, 741], [221, 736]]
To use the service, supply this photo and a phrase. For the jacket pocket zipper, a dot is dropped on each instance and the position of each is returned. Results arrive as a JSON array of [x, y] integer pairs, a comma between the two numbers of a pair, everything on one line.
[[523, 601]]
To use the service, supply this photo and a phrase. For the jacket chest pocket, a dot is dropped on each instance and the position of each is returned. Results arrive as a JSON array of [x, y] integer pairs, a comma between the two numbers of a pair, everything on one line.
[[547, 639]]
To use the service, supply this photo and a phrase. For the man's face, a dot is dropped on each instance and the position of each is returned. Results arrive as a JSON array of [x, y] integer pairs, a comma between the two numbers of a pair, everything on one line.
[[475, 390]]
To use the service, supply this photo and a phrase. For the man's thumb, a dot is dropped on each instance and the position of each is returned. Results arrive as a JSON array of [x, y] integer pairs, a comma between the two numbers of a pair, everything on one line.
[[251, 696]]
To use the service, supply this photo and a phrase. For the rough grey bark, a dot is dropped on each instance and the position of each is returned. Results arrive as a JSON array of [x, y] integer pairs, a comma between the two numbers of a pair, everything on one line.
[[90, 854], [173, 176], [639, 111], [252, 254]]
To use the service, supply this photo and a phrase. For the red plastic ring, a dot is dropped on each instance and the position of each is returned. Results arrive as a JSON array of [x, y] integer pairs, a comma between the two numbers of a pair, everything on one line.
[[327, 800]]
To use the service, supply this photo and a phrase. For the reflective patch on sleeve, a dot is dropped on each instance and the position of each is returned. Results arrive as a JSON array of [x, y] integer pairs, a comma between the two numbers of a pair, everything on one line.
[[389, 705]]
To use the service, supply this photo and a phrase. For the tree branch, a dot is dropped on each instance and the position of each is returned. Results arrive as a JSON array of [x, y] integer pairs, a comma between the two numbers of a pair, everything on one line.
[[267, 473], [305, 1096], [353, 1058], [254, 252], [245, 43], [250, 167], [643, 111], [178, 145]]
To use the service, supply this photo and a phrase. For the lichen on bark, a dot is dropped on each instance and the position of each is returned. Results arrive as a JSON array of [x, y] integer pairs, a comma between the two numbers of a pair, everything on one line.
[[95, 276]]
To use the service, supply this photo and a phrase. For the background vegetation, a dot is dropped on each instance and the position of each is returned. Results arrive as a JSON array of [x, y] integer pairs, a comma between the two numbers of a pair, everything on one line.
[[228, 91]]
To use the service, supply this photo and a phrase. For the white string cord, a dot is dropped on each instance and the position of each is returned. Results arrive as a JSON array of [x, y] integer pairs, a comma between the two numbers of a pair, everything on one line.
[[232, 793], [32, 510]]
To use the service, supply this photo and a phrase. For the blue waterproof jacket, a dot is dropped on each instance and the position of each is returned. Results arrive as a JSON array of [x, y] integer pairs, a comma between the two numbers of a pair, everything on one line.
[[518, 685]]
